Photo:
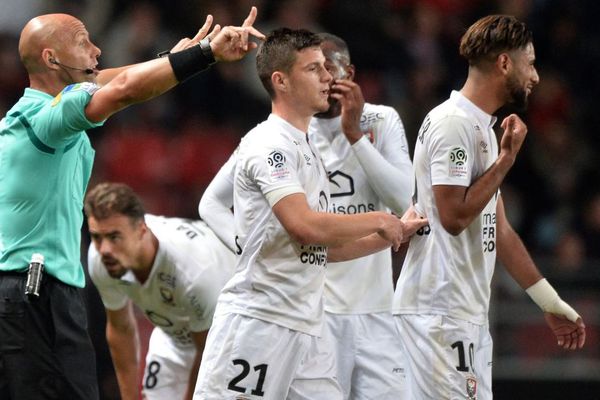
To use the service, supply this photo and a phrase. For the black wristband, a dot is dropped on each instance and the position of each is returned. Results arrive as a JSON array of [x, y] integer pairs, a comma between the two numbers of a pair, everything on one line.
[[189, 62], [207, 50]]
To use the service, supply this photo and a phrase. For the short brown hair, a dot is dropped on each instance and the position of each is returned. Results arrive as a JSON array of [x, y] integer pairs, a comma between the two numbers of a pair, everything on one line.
[[107, 199], [492, 35], [278, 52]]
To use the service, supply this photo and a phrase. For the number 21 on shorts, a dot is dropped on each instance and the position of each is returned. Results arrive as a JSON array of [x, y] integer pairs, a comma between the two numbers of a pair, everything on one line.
[[234, 384]]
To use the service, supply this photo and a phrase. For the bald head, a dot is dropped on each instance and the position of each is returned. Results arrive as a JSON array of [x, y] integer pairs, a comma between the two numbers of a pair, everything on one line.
[[50, 31]]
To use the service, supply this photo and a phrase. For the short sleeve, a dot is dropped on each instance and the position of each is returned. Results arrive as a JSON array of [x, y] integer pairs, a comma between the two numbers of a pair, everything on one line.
[[450, 152], [58, 121], [111, 297], [274, 167]]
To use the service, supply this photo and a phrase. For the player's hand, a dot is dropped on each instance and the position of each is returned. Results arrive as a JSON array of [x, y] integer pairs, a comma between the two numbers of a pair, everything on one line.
[[412, 223], [231, 42], [513, 137], [350, 96], [392, 229], [187, 42], [570, 335]]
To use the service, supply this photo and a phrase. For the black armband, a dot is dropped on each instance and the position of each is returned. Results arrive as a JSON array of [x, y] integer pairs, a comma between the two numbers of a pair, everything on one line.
[[189, 62]]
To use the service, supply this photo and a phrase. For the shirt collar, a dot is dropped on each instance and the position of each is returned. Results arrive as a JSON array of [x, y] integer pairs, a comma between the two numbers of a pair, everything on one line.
[[38, 94], [295, 132], [484, 118]]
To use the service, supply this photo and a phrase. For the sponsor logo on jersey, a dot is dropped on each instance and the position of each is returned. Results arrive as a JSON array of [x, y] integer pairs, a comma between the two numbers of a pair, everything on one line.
[[488, 232], [314, 255], [277, 165], [371, 118], [323, 201], [341, 184], [458, 162], [352, 208]]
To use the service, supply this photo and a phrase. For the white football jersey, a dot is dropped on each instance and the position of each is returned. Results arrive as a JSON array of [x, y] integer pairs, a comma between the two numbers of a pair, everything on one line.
[[276, 279], [445, 274], [190, 268], [363, 285]]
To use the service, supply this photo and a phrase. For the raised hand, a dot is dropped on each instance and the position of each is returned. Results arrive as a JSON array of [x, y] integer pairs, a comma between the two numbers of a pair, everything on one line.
[[350, 96], [569, 335], [231, 42], [513, 137], [187, 42]]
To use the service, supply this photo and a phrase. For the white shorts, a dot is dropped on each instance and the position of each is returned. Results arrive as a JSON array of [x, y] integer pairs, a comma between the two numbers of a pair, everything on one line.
[[448, 358], [370, 357], [167, 370], [246, 358]]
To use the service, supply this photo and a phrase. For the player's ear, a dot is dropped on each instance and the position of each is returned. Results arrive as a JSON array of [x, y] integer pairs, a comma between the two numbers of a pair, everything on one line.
[[350, 71], [279, 81], [504, 63], [142, 228]]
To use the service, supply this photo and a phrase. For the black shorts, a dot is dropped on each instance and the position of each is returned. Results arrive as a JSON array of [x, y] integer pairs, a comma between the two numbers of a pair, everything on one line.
[[45, 349]]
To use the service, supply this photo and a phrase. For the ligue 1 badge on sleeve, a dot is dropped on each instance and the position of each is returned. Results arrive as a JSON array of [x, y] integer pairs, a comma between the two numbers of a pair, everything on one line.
[[471, 388]]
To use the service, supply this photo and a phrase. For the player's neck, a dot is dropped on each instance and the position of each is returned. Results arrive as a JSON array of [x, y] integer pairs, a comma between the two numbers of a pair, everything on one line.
[[299, 119], [484, 92], [147, 257]]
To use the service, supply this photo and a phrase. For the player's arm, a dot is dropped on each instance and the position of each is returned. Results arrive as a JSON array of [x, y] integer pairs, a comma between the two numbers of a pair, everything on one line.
[[199, 339], [123, 341], [566, 324], [147, 80], [459, 205], [216, 202], [107, 75], [307, 226], [374, 242], [389, 175]]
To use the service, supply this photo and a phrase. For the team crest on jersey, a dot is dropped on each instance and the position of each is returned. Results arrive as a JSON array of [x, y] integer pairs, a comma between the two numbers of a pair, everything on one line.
[[167, 296], [471, 388], [458, 162], [277, 165]]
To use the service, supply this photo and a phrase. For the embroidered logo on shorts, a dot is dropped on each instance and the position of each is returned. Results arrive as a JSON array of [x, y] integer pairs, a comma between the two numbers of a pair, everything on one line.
[[471, 388], [277, 166], [458, 162]]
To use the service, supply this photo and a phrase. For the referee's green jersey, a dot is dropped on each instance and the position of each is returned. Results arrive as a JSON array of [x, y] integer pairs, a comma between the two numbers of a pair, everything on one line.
[[45, 165]]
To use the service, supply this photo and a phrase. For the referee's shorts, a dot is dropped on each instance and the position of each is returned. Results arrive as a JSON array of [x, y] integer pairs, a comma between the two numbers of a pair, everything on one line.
[[45, 349]]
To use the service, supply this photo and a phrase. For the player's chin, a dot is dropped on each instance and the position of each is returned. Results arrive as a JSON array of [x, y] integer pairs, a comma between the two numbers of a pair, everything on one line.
[[323, 106]]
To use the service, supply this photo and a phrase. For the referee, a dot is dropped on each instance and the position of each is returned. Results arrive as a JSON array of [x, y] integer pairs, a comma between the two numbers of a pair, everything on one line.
[[45, 165]]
